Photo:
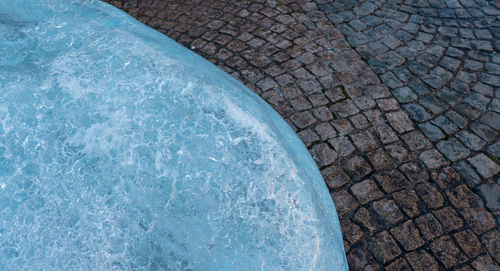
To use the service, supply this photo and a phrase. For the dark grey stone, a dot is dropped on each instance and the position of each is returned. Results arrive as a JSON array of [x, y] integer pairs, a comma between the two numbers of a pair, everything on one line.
[[484, 131], [467, 173], [432, 132], [491, 192], [472, 141], [484, 166], [445, 124], [404, 94], [492, 119], [456, 118], [433, 104], [450, 96], [390, 80], [477, 101], [419, 88], [417, 112], [494, 149], [450, 63], [452, 149]]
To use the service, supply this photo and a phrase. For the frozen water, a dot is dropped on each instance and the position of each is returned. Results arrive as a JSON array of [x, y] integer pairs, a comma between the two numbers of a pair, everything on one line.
[[122, 150]]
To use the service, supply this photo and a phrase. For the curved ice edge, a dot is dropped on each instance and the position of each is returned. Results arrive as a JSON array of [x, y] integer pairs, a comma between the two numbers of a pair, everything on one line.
[[258, 107]]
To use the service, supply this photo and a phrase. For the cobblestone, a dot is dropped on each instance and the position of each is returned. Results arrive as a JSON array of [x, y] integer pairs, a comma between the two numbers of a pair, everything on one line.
[[363, 83]]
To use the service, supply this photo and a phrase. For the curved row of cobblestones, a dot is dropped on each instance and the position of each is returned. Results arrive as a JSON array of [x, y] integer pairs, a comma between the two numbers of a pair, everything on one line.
[[394, 100]]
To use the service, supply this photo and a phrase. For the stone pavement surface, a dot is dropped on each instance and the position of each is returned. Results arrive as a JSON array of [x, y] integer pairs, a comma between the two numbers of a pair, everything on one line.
[[398, 102]]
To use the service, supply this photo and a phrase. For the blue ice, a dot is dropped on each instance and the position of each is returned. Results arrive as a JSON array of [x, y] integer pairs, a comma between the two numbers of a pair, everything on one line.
[[122, 150]]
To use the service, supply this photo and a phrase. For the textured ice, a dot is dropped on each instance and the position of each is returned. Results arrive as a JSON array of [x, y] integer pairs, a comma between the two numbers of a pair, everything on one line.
[[122, 150]]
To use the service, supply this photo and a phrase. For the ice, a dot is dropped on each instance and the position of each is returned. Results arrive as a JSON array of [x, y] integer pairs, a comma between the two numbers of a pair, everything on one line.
[[122, 150]]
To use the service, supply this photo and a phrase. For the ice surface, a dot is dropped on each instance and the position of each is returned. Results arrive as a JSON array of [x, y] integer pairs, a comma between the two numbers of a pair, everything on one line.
[[122, 150]]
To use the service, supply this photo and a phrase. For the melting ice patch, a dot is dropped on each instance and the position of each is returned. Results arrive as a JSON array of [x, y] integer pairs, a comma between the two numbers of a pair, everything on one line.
[[122, 150]]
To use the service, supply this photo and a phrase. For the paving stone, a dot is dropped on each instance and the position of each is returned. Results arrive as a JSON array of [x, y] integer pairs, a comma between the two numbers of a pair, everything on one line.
[[467, 173], [344, 108], [483, 131], [361, 260], [469, 243], [391, 80], [392, 180], [379, 159], [470, 140], [307, 136], [491, 193], [452, 149], [422, 261], [335, 177], [365, 141], [323, 154], [399, 121], [408, 201], [447, 252], [350, 231], [387, 211], [494, 149], [407, 235], [479, 220], [462, 197], [419, 88], [398, 264], [477, 101], [415, 140], [432, 159], [429, 226], [342, 146], [430, 195], [398, 153], [414, 172], [357, 167], [445, 124], [366, 191], [303, 119], [456, 119], [404, 94], [417, 112], [450, 63], [342, 126], [344, 202], [484, 166], [431, 131], [359, 121], [448, 218], [384, 248], [492, 241], [485, 263], [492, 119]]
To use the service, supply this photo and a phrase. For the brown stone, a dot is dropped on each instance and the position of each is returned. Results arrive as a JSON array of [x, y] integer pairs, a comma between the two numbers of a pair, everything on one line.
[[360, 260], [415, 172], [422, 261], [359, 121], [379, 159], [492, 242], [365, 141], [415, 140], [342, 145], [303, 119], [399, 121], [366, 191], [364, 217], [398, 265], [408, 201], [388, 104], [344, 202], [342, 126], [323, 154], [433, 159], [446, 177], [478, 219], [397, 152], [469, 243], [383, 247], [448, 217], [357, 167], [387, 211], [485, 263], [430, 195], [429, 226], [350, 231], [334, 177], [447, 252], [462, 197], [392, 180], [325, 130], [407, 235]]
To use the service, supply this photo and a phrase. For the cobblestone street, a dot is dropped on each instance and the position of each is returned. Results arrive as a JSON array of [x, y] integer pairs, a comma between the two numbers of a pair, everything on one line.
[[397, 101]]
